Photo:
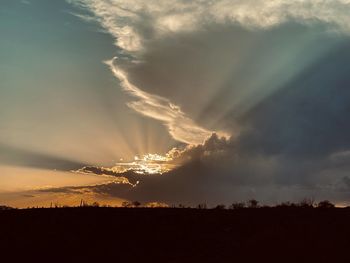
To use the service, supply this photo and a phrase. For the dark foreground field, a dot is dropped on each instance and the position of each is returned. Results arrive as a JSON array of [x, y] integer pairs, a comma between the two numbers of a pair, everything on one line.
[[176, 235]]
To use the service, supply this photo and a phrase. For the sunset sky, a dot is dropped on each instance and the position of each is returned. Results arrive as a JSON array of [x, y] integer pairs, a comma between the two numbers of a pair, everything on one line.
[[174, 101]]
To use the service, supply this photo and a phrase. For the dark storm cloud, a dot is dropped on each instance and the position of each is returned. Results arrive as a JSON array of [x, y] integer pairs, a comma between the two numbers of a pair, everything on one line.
[[308, 116], [293, 144]]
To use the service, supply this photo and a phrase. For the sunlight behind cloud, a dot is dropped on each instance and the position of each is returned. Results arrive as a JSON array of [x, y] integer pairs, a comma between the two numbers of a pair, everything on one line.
[[146, 165]]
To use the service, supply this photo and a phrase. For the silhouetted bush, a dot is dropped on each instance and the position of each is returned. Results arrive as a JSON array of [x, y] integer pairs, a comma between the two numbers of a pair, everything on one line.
[[237, 205], [325, 204], [220, 207], [157, 205], [202, 206], [5, 207], [253, 203], [127, 204], [95, 204], [286, 204]]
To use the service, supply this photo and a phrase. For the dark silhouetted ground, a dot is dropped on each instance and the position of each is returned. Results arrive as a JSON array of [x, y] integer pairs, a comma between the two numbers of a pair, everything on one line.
[[176, 235]]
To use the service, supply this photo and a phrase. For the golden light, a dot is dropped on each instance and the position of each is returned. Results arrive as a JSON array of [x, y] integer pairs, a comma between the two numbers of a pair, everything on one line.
[[147, 164]]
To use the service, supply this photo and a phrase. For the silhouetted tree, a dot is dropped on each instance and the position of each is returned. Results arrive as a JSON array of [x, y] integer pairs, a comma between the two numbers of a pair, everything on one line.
[[253, 203], [307, 203], [136, 204], [325, 204], [96, 204]]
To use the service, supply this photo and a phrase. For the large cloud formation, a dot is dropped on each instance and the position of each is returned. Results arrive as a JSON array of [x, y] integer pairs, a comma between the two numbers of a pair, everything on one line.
[[273, 74], [135, 22]]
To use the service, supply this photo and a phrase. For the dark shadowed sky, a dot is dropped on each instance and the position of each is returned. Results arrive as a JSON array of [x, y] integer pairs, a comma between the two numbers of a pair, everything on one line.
[[251, 96]]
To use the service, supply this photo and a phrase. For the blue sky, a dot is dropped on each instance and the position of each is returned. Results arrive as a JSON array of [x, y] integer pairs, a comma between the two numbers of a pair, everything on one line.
[[55, 85]]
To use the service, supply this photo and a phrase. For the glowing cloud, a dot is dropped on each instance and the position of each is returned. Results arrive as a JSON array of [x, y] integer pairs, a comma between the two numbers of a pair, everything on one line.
[[147, 164], [156, 164]]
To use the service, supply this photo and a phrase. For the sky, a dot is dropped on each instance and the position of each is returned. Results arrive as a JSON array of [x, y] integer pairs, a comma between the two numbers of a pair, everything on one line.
[[174, 101]]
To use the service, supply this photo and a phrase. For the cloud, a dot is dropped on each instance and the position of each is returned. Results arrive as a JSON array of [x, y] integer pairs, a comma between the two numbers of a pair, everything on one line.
[[254, 69], [133, 22], [219, 172], [293, 144], [139, 26], [181, 127]]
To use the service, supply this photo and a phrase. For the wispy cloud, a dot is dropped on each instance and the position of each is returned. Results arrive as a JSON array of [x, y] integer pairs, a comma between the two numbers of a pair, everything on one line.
[[181, 127], [26, 2]]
